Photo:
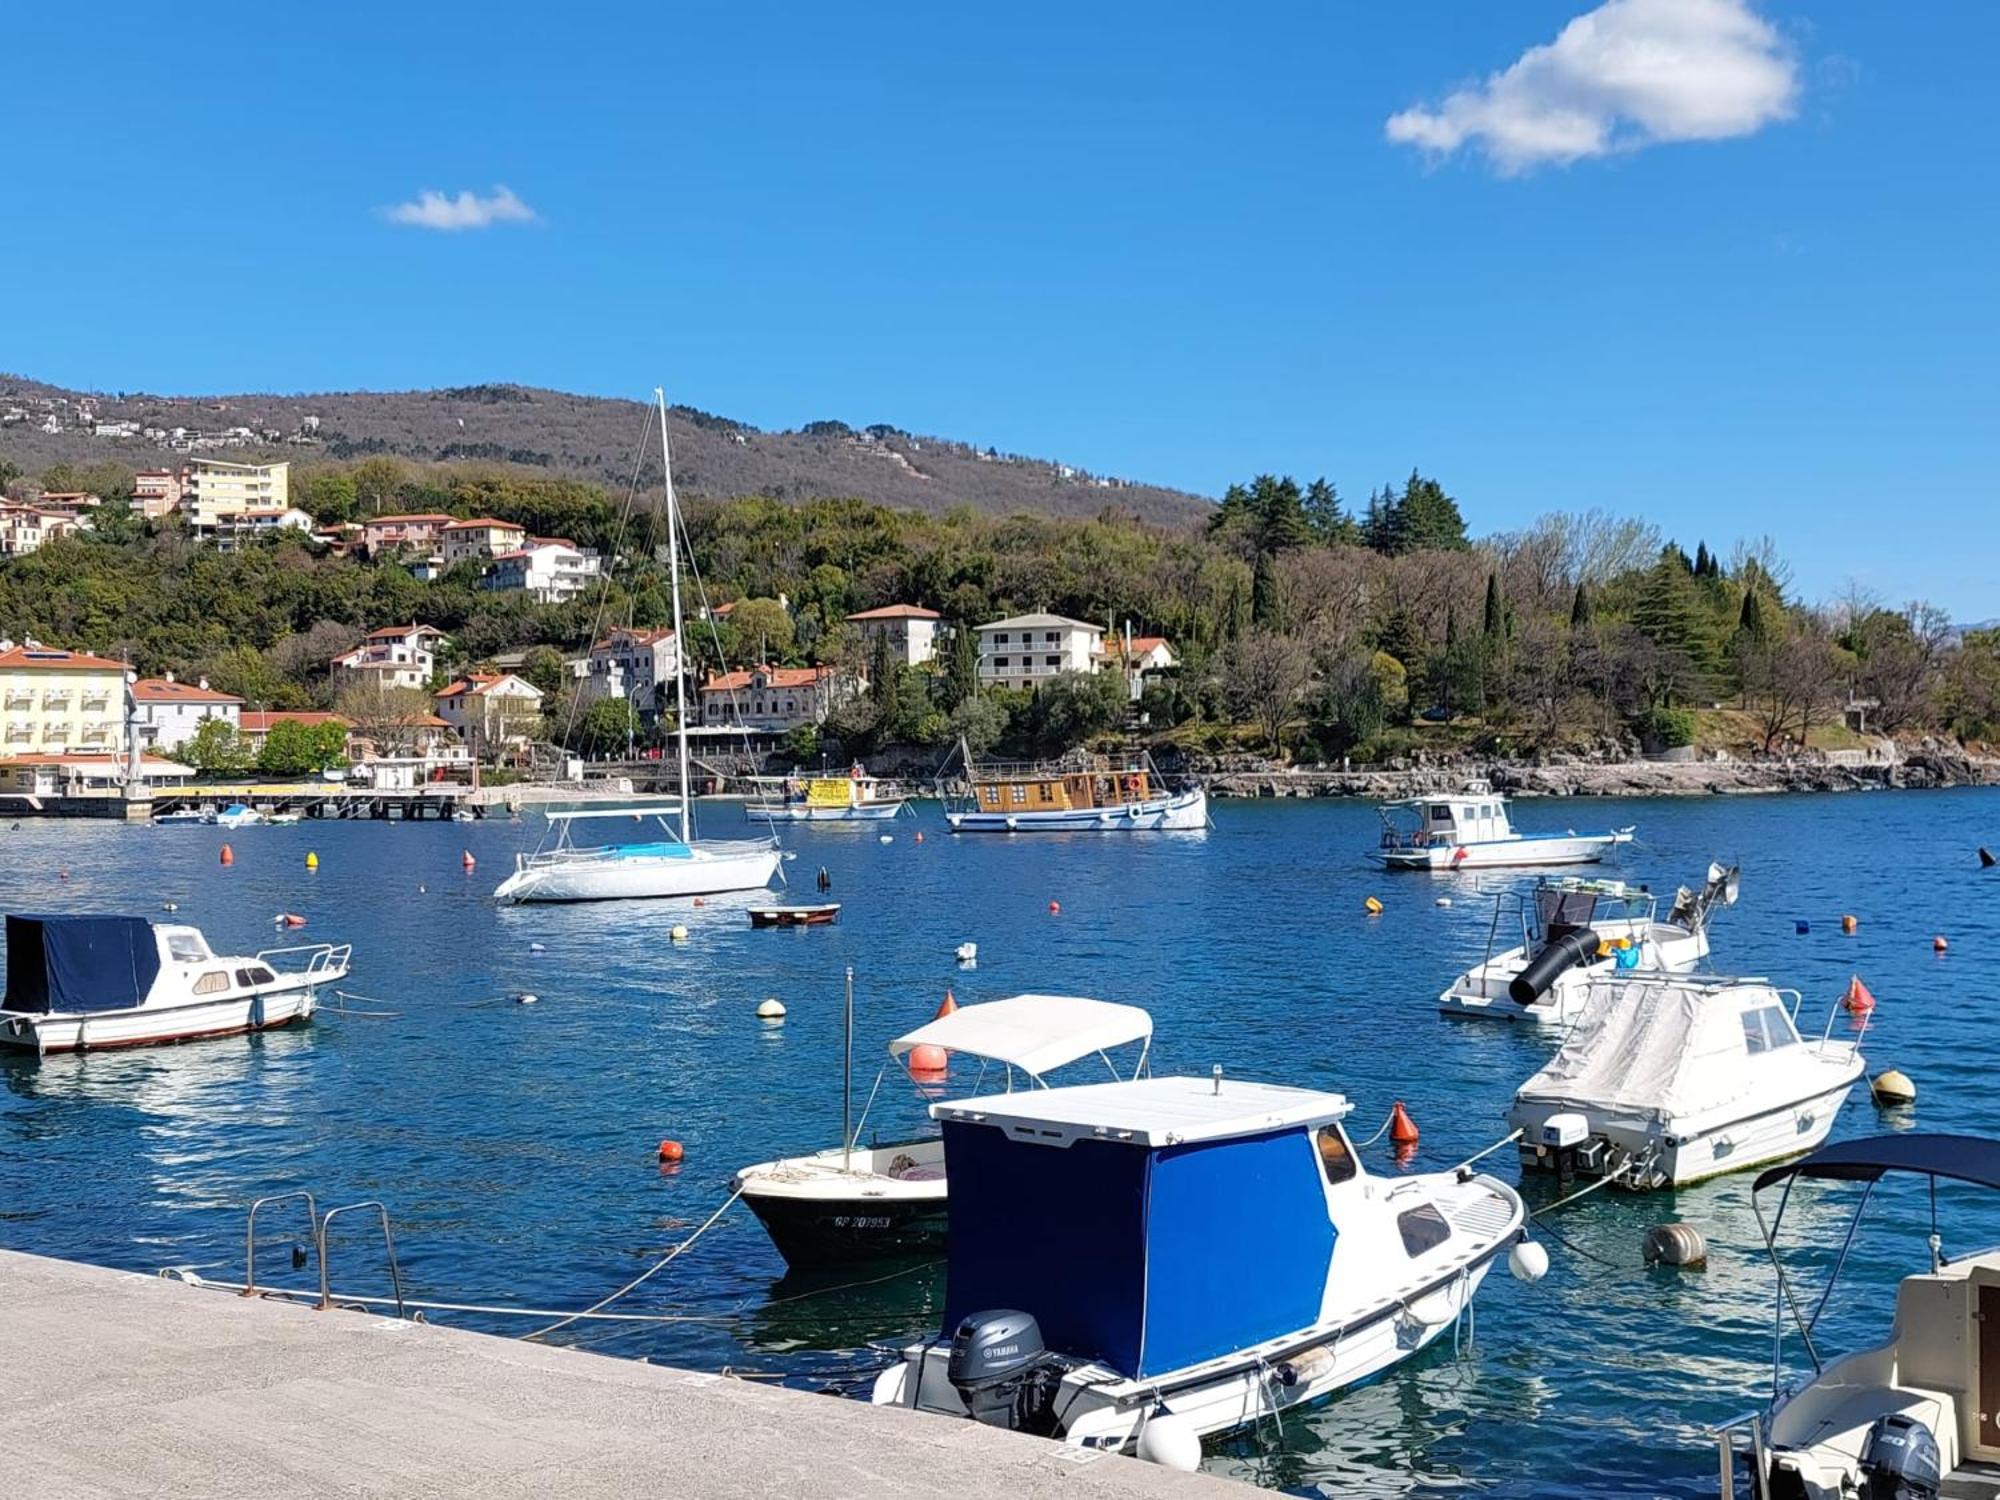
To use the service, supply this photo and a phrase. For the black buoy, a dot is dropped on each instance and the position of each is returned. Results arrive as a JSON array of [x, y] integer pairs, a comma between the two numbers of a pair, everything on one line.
[[825, 880], [1986, 859]]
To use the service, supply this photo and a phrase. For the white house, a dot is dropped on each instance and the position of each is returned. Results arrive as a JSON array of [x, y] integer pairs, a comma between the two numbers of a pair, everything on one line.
[[155, 492], [1026, 650], [633, 665], [167, 714], [910, 629], [776, 698], [491, 709], [549, 568], [478, 540], [396, 656], [233, 528]]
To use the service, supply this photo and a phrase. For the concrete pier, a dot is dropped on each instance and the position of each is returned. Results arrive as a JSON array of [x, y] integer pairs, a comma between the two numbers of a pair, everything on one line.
[[120, 1385]]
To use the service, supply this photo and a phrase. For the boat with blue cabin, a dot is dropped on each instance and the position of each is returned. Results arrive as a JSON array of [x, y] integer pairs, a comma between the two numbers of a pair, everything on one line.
[[1094, 1230], [1471, 829]]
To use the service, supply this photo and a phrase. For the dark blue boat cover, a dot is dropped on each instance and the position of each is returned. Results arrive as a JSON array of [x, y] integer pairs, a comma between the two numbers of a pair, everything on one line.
[[1149, 1259], [79, 963]]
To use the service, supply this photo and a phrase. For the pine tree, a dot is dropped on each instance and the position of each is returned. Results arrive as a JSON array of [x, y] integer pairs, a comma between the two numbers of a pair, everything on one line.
[[1750, 621], [1426, 519], [1279, 510], [961, 672], [1378, 531], [1703, 563], [1331, 526]]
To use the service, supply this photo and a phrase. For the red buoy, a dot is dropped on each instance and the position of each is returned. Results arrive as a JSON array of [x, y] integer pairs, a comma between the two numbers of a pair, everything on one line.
[[670, 1151], [1055, 908], [928, 1057], [1938, 944], [946, 1006], [467, 860], [920, 835], [1402, 1129], [228, 855], [1857, 998]]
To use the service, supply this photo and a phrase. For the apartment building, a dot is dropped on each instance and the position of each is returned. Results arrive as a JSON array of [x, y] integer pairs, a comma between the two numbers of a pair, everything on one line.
[[479, 540], [1024, 651], [910, 629], [548, 568], [167, 714], [212, 488], [57, 702]]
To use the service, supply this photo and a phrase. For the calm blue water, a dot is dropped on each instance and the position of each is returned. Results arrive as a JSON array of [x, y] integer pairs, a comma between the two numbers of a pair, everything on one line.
[[516, 1144]]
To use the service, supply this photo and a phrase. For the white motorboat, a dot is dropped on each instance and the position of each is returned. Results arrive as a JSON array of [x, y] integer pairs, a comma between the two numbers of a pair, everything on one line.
[[239, 815], [1574, 930], [89, 982], [1471, 830], [851, 1203], [1140, 1265], [184, 817], [676, 866], [1082, 795], [1914, 1415], [1667, 1079], [853, 798]]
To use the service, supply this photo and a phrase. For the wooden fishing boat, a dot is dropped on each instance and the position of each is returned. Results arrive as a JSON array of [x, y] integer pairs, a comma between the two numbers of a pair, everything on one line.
[[1096, 794], [794, 916]]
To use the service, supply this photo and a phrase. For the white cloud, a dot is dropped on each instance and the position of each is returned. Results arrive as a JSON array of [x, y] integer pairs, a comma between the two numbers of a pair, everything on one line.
[[434, 210], [1628, 74]]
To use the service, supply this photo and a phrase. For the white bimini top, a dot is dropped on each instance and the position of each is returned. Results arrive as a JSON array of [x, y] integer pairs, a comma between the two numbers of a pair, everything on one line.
[[1035, 1033], [1149, 1111]]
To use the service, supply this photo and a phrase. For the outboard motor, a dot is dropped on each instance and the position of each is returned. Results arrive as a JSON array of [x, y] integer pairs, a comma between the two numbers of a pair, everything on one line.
[[1003, 1372], [1900, 1460], [1562, 952]]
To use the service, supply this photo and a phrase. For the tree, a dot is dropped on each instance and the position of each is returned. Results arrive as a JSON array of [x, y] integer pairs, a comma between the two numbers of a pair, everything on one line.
[[293, 747], [391, 719], [1072, 708], [760, 632], [1580, 608], [1267, 675], [1790, 684], [1349, 711], [1425, 519], [961, 666], [545, 669], [607, 727], [1330, 525], [980, 720], [216, 749]]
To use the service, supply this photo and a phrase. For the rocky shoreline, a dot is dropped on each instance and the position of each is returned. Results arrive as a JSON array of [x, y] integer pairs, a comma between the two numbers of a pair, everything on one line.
[[1926, 767]]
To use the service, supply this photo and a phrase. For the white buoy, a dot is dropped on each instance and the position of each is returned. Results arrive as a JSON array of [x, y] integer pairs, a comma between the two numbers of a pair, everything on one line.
[[968, 953], [1170, 1441], [1528, 1260], [1444, 901], [524, 999], [536, 948], [1893, 1087], [679, 934], [772, 1009], [888, 838]]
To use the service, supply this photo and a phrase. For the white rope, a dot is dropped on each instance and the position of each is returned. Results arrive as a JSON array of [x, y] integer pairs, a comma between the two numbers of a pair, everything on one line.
[[646, 1275]]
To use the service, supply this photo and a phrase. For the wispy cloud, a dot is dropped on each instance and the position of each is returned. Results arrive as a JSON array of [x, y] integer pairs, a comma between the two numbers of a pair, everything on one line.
[[431, 209], [1629, 74]]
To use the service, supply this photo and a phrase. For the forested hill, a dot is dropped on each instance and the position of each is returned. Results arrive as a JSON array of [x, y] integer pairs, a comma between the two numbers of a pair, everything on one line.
[[584, 437]]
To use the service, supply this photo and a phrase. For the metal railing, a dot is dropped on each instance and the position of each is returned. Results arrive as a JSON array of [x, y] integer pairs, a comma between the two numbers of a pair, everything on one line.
[[250, 1234], [388, 1244], [1760, 1458], [324, 961]]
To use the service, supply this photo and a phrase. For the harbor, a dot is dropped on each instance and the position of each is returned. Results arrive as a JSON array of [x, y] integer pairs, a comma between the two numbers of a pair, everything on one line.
[[516, 1146]]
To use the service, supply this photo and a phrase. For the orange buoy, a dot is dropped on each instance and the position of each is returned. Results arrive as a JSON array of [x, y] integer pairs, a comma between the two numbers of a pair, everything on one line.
[[946, 1006], [1402, 1129], [467, 860], [919, 835], [1848, 924], [928, 1057], [699, 902], [1938, 944], [671, 1151], [1055, 908], [291, 919], [228, 855], [1857, 998]]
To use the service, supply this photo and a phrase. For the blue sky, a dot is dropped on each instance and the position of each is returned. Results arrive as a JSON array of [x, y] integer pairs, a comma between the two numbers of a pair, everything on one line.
[[1172, 243]]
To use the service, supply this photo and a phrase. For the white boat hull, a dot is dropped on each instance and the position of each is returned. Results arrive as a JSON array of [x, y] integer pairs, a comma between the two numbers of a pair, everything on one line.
[[1481, 993], [1521, 851], [590, 875], [146, 1025], [801, 812], [1182, 812]]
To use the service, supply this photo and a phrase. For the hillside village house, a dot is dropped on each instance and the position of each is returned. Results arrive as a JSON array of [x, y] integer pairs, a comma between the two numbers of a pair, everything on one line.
[[910, 629], [156, 492], [1026, 650], [69, 502], [397, 656], [480, 540], [29, 528], [548, 568], [418, 533], [777, 699], [491, 710], [1141, 658], [59, 702], [633, 665], [240, 526], [212, 488], [167, 714]]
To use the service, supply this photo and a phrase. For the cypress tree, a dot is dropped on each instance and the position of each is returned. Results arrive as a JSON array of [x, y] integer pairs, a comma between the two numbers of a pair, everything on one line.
[[1496, 620], [1579, 609]]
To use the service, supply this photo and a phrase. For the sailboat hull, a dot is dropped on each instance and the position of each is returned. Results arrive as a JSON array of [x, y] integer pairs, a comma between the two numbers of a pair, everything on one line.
[[611, 877]]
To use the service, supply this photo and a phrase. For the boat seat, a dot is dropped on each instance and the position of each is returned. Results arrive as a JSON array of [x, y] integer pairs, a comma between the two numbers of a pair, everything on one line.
[[1842, 1423]]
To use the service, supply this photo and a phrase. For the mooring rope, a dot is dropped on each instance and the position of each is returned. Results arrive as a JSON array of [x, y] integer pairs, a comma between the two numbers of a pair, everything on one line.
[[644, 1276]]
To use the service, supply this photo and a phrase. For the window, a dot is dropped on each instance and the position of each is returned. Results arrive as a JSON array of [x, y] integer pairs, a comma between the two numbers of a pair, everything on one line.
[[261, 975], [1020, 792], [186, 947], [212, 983], [1440, 813], [1051, 637], [1053, 661], [1423, 1228], [1000, 639], [999, 663], [1336, 1157], [1766, 1029], [1048, 791]]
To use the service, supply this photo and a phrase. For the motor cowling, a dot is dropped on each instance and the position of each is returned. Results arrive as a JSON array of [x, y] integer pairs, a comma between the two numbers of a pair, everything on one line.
[[1004, 1373], [1900, 1460]]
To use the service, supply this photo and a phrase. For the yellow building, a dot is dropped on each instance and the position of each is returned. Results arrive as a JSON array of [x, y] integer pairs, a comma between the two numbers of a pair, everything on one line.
[[212, 489], [58, 701]]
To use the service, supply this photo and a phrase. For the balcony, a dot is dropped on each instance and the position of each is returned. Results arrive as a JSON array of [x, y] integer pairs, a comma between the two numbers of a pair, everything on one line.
[[98, 732], [96, 702], [20, 729], [56, 698], [20, 697]]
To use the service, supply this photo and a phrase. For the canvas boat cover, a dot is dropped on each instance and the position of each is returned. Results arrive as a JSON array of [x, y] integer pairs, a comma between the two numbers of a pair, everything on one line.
[[1657, 1048], [65, 964], [1035, 1033]]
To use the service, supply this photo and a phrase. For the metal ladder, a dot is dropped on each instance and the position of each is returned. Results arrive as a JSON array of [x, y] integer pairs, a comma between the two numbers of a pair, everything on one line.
[[318, 1234]]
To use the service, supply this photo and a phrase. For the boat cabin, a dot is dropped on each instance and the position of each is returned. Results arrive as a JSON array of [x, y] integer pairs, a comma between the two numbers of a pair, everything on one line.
[[1063, 791], [1475, 815], [1113, 1213], [61, 965]]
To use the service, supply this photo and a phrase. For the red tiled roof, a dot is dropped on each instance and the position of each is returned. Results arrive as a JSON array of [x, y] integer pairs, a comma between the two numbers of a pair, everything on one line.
[[898, 612], [486, 523], [636, 637], [435, 520], [777, 677], [159, 690], [1141, 644], [397, 632], [259, 721], [49, 659]]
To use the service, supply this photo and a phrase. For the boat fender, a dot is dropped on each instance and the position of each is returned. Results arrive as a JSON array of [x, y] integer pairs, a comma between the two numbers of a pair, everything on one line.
[[678, 935], [1304, 1367], [1679, 1245], [1055, 908], [228, 858], [1529, 1261], [1562, 953], [1170, 1441], [1939, 945], [1849, 925], [1893, 1087]]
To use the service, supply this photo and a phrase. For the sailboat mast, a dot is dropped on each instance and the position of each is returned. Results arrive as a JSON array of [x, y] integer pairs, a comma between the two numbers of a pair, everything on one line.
[[680, 641]]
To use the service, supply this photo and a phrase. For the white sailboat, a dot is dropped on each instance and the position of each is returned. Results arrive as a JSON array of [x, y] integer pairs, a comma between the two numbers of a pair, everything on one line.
[[679, 865]]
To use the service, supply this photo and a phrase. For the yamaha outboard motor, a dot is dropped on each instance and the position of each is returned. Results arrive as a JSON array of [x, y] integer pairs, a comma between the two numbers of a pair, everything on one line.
[[1562, 952], [1900, 1460], [1003, 1372]]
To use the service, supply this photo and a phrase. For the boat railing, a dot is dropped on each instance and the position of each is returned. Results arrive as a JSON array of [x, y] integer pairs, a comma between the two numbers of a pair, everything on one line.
[[322, 960], [1724, 1434]]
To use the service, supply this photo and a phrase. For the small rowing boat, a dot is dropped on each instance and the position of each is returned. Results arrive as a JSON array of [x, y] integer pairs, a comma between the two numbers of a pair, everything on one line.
[[794, 916]]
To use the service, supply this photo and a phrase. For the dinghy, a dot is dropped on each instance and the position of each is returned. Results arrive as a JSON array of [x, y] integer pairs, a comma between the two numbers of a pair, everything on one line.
[[1574, 930], [1914, 1415], [795, 916], [1667, 1079], [1471, 830], [87, 983], [1136, 1266], [851, 1203]]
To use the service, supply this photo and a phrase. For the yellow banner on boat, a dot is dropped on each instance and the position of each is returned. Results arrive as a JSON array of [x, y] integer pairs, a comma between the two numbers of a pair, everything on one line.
[[828, 792]]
